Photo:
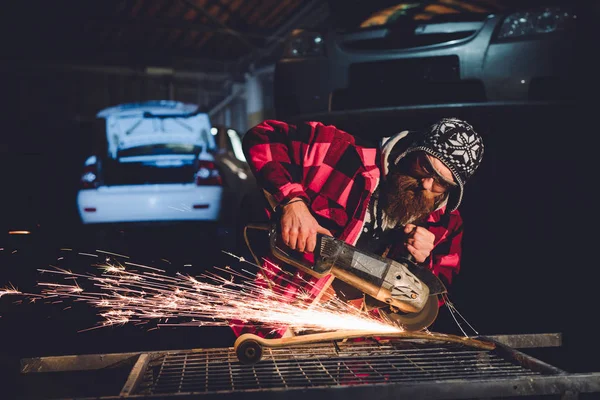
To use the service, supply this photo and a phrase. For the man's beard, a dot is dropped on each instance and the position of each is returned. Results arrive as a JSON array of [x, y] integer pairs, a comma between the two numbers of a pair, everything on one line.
[[405, 201]]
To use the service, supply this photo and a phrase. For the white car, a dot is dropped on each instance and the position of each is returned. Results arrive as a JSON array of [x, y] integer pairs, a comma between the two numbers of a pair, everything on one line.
[[162, 165]]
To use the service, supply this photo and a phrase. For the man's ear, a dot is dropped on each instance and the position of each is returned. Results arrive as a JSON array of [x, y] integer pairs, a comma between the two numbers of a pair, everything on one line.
[[400, 143]]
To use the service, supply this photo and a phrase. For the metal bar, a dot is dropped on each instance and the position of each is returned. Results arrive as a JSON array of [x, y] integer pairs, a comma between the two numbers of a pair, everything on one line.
[[206, 372], [375, 371], [351, 372], [136, 375], [120, 70], [276, 368], [566, 385], [353, 113], [85, 362], [321, 366], [182, 376], [527, 361], [267, 69], [255, 376], [524, 341], [231, 376], [299, 366], [223, 103]]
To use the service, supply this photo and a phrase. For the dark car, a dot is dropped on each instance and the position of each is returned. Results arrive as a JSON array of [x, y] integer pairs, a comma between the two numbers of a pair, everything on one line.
[[428, 54], [235, 168]]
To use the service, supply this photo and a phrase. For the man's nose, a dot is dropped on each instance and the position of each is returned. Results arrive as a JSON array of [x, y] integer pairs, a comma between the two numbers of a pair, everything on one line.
[[427, 183]]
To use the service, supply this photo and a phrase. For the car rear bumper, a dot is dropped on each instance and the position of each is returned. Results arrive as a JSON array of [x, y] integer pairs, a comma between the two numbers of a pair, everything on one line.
[[149, 203]]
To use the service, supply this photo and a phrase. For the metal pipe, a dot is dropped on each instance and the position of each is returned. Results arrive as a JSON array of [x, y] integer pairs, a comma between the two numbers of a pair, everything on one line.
[[122, 70], [223, 103]]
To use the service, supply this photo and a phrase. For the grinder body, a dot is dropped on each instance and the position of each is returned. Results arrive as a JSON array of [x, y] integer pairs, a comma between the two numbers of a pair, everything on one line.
[[403, 285]]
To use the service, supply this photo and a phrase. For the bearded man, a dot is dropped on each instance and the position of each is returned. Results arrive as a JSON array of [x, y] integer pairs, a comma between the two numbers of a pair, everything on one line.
[[397, 199]]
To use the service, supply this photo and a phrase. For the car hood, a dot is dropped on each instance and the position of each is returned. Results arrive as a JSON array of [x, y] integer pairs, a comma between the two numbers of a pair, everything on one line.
[[352, 15]]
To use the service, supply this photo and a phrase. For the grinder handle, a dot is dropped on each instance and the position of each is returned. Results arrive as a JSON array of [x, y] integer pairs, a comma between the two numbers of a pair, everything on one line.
[[297, 258]]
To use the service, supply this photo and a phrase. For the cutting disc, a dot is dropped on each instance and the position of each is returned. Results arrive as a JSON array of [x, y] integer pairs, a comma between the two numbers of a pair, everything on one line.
[[412, 321]]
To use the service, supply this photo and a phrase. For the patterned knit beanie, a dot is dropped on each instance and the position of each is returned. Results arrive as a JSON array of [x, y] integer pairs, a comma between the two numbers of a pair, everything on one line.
[[457, 145]]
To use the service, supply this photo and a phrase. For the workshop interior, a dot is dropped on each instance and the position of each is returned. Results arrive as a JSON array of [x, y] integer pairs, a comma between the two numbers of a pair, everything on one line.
[[133, 233]]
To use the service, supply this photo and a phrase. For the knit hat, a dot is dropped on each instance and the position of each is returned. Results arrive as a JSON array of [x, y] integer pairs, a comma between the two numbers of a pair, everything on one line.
[[457, 146]]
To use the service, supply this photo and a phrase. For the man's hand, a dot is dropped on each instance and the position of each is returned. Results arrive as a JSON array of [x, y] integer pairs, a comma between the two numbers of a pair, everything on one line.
[[299, 228], [419, 241]]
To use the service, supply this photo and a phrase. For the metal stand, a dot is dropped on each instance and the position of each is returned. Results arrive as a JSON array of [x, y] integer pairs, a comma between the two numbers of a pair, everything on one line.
[[334, 370]]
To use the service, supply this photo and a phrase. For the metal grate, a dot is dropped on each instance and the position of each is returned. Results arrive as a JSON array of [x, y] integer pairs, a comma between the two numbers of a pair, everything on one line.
[[327, 365], [348, 370]]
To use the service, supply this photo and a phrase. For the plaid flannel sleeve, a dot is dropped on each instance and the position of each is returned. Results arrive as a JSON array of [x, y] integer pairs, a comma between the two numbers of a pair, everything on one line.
[[274, 151], [446, 256]]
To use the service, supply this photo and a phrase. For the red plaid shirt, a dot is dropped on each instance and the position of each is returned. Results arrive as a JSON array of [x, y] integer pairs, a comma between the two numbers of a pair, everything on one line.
[[337, 176]]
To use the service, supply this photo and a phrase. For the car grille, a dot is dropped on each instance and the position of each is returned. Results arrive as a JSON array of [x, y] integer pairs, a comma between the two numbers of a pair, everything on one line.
[[381, 74], [411, 81], [392, 42]]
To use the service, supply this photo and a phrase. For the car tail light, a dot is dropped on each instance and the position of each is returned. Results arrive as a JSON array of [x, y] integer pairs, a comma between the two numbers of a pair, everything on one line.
[[89, 177], [536, 22], [208, 174], [304, 44]]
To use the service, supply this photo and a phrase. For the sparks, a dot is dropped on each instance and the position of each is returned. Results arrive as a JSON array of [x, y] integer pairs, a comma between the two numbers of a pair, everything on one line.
[[139, 294], [11, 290]]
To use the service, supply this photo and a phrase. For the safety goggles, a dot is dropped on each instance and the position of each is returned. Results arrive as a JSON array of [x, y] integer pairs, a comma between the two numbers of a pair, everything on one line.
[[419, 166]]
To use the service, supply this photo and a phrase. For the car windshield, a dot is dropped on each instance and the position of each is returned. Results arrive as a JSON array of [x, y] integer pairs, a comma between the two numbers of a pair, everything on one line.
[[376, 14], [153, 125]]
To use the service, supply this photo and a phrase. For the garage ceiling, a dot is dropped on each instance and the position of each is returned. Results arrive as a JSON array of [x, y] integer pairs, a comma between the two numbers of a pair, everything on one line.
[[221, 35]]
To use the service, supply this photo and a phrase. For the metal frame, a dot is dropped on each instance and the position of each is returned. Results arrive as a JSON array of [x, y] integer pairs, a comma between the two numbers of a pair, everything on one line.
[[532, 377], [393, 112]]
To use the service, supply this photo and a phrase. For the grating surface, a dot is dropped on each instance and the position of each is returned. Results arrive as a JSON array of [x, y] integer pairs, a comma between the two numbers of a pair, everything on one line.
[[326, 365]]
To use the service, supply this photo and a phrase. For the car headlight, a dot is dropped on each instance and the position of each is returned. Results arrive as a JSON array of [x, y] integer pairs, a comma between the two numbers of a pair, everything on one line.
[[536, 22], [304, 44]]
